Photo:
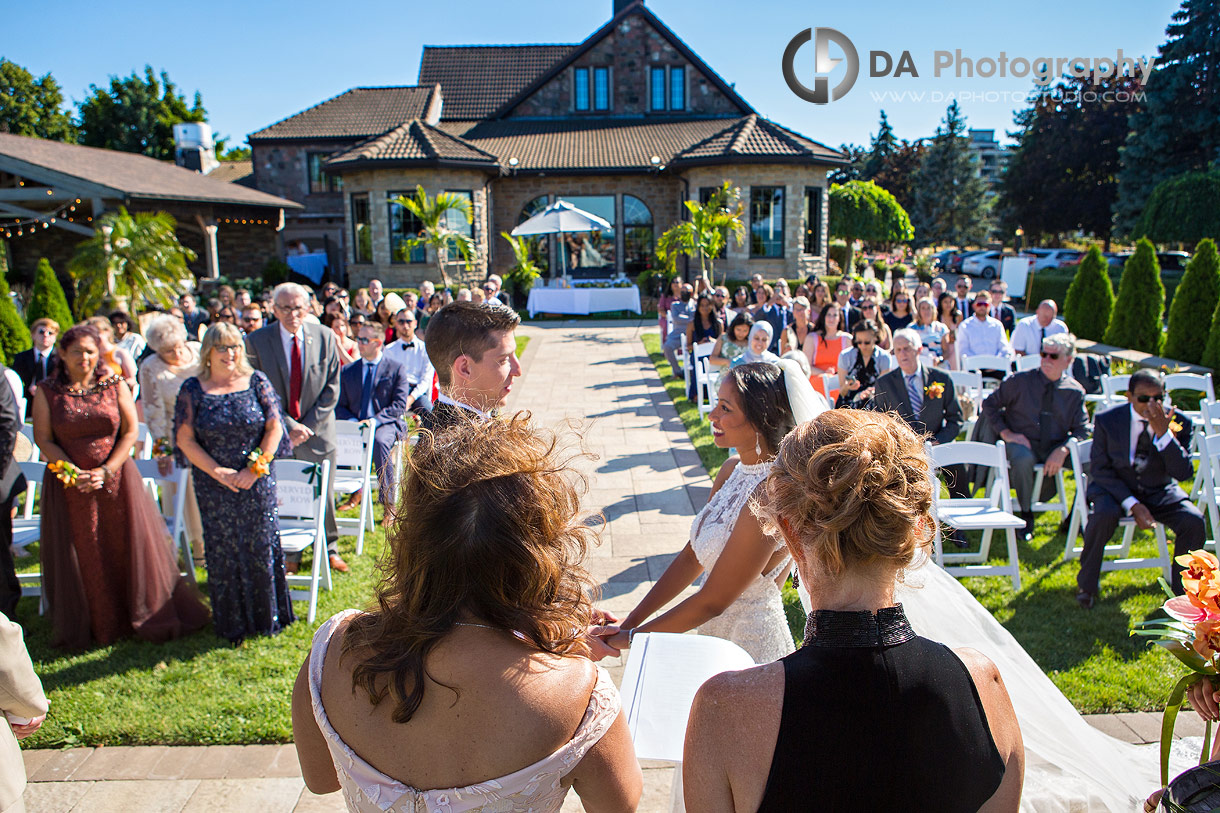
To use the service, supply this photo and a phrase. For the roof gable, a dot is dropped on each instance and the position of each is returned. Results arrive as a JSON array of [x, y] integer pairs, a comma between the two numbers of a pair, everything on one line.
[[358, 113], [476, 80], [755, 139], [740, 106], [418, 143]]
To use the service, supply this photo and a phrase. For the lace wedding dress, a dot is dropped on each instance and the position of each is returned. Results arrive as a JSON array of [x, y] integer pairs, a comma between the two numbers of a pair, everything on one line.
[[537, 788], [755, 621]]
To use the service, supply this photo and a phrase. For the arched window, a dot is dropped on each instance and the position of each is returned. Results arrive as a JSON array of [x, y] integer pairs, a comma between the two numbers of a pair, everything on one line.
[[637, 235], [540, 251]]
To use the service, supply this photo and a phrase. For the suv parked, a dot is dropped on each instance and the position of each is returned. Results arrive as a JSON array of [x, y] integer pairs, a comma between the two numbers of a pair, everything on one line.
[[1052, 257]]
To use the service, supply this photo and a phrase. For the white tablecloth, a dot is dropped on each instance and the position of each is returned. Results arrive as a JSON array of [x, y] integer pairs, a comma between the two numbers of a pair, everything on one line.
[[583, 300], [312, 266]]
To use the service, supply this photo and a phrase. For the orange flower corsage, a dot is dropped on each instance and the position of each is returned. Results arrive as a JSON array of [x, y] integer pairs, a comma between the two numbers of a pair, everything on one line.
[[162, 448], [934, 390], [64, 471], [259, 463]]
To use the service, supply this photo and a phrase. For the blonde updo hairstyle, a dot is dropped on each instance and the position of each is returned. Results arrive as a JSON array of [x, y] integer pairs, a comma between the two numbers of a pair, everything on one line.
[[853, 490]]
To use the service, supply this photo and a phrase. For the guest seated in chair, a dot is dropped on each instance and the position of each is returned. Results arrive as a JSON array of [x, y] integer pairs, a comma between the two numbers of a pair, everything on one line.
[[1140, 452], [1034, 413], [374, 390]]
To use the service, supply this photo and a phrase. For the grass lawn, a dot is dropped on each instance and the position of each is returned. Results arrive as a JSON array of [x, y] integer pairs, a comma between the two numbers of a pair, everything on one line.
[[522, 341], [1090, 656]]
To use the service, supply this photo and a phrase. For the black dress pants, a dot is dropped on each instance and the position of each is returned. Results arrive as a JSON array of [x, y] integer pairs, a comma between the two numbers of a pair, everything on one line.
[[1181, 517]]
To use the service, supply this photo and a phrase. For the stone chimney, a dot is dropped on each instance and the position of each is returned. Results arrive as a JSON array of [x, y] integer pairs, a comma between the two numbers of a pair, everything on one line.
[[619, 5]]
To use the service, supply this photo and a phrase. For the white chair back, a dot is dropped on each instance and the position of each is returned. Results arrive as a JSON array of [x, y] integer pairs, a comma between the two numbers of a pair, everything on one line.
[[1114, 388], [175, 520], [301, 488], [706, 377], [353, 472], [144, 443], [830, 387], [27, 529], [1195, 382], [1028, 362], [27, 431], [998, 363]]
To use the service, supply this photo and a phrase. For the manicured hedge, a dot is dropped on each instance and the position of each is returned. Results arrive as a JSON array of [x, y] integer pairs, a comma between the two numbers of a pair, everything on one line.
[[1054, 284]]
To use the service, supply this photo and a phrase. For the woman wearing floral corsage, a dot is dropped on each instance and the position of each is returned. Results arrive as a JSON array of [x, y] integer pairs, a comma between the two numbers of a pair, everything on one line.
[[228, 426]]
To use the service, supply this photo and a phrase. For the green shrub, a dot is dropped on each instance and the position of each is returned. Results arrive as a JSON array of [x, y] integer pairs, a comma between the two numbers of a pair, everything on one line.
[[1135, 322], [48, 300], [1090, 298], [837, 252], [1188, 332], [275, 272], [880, 267], [14, 335]]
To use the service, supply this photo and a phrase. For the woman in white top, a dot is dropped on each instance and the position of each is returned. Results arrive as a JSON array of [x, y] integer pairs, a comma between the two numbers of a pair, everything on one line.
[[931, 331], [467, 686]]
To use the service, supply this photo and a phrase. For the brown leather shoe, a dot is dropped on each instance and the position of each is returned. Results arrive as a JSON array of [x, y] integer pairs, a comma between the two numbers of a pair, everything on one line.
[[291, 567], [351, 502], [337, 563]]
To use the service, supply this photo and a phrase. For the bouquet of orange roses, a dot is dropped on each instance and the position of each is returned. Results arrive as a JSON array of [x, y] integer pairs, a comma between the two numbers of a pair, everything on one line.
[[259, 463], [64, 471], [1192, 634]]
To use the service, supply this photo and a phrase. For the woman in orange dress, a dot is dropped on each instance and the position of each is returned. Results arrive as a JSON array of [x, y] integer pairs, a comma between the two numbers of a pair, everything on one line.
[[116, 360], [823, 346]]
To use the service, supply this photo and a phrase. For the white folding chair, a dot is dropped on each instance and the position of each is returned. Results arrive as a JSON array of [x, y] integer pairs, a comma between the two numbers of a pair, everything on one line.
[[144, 443], [1113, 389], [354, 472], [301, 488], [682, 361], [830, 387], [705, 378], [175, 520], [27, 431], [989, 513], [1193, 382], [1079, 452], [969, 383], [1001, 364], [27, 528], [1026, 363], [1208, 483]]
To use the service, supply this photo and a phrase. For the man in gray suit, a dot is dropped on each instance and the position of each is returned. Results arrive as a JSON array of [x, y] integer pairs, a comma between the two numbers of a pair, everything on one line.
[[302, 361]]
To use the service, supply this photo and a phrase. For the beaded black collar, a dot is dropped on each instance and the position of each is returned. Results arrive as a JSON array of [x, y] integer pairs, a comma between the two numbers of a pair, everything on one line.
[[858, 629]]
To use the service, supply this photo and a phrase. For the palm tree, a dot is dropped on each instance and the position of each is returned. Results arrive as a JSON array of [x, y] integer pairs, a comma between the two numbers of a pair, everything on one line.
[[435, 233], [129, 257], [707, 231]]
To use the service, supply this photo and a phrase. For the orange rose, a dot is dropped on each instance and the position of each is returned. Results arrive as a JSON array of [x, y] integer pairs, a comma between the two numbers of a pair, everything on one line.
[[1207, 639]]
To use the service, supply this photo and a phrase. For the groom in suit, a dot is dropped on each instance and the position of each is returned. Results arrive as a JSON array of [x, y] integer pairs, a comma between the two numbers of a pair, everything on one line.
[[35, 364], [473, 348], [302, 361], [1140, 452], [375, 389]]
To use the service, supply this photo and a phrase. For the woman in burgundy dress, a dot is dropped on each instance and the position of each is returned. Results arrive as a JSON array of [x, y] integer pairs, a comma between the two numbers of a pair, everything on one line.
[[107, 565]]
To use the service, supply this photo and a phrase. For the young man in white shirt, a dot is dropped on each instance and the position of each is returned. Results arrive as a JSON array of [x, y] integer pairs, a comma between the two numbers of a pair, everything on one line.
[[982, 334], [409, 351]]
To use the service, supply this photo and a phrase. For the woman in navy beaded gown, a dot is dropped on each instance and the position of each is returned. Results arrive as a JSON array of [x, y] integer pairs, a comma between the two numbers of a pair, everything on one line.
[[222, 415]]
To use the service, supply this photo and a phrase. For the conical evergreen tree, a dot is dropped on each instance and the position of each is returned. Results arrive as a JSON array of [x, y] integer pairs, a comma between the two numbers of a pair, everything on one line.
[[1179, 129], [48, 299], [1135, 322], [1197, 294], [1090, 298], [951, 204], [14, 335], [880, 150]]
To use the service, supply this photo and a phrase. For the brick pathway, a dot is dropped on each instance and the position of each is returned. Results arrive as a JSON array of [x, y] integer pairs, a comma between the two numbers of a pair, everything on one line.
[[646, 478]]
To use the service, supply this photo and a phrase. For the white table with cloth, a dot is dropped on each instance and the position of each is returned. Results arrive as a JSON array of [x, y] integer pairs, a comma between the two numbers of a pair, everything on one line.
[[310, 266], [583, 301]]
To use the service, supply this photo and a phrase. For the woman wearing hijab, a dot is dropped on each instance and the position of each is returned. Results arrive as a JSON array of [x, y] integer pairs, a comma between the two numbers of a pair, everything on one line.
[[756, 347]]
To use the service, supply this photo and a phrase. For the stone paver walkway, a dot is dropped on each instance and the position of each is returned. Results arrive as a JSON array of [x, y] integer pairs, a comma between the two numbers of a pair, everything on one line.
[[644, 476]]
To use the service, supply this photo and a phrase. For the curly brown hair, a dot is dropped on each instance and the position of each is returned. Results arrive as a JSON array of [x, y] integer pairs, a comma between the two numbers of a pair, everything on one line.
[[491, 530], [852, 488]]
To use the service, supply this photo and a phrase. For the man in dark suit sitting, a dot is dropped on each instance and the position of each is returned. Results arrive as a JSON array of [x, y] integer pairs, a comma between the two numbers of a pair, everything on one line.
[[924, 397], [33, 365], [1140, 452], [1000, 309], [473, 348], [375, 389]]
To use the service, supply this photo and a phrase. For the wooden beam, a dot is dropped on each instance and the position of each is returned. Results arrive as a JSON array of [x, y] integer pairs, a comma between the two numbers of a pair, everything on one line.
[[61, 223], [35, 194]]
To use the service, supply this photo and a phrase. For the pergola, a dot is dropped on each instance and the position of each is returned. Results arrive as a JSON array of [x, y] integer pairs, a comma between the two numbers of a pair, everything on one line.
[[48, 185]]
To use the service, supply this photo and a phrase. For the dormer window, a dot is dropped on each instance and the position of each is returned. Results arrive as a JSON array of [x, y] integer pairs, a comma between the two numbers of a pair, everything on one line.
[[591, 89], [581, 88], [667, 88], [601, 88]]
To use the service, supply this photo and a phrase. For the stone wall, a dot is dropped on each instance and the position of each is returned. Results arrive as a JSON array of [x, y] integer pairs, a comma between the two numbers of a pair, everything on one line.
[[629, 51], [378, 184], [794, 178]]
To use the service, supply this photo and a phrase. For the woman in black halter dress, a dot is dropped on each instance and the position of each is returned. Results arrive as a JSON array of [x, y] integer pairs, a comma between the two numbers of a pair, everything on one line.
[[866, 715]]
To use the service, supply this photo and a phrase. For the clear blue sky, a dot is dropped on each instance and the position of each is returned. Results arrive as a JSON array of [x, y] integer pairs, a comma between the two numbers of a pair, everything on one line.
[[256, 63]]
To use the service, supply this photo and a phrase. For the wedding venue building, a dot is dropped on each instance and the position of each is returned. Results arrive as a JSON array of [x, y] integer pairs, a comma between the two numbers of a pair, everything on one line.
[[627, 125]]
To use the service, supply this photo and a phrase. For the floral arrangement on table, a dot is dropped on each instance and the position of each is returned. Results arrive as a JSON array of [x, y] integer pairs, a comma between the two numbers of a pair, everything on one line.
[[64, 471], [618, 283], [1192, 635]]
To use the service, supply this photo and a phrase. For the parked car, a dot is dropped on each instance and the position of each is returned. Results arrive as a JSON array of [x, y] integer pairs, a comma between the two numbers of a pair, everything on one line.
[[956, 262], [1173, 260], [1052, 257], [942, 259], [985, 264]]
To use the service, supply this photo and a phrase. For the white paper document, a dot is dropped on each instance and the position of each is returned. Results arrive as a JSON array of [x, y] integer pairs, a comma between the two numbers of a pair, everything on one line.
[[663, 672]]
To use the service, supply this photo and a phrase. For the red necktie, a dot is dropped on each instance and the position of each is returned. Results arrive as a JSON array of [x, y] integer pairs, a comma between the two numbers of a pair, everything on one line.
[[294, 382]]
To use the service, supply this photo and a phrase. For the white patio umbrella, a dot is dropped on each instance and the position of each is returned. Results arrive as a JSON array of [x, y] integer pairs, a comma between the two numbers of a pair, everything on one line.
[[561, 217]]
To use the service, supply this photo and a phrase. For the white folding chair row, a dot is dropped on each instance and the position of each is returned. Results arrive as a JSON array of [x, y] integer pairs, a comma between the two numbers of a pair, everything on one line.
[[1079, 452], [990, 513], [1001, 364], [301, 488], [354, 472], [1113, 389], [706, 377]]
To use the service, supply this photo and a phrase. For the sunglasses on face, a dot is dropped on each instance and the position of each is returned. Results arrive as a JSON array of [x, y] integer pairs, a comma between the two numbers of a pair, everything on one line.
[[226, 348], [902, 301], [1051, 356], [863, 343], [868, 306], [364, 340], [982, 304], [1143, 399]]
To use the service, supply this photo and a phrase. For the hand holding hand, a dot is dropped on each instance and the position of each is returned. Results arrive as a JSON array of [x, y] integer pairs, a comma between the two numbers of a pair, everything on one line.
[[23, 731], [620, 640], [596, 637], [1054, 462], [1143, 517], [244, 479], [299, 435], [224, 476]]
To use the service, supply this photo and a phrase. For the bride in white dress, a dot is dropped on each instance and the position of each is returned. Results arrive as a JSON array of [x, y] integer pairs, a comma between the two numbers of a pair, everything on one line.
[[740, 598]]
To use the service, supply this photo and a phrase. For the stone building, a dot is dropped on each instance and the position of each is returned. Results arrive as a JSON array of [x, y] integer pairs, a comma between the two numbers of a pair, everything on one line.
[[627, 124]]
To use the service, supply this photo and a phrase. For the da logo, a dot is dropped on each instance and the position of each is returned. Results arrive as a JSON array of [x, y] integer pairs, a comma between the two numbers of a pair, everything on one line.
[[823, 65]]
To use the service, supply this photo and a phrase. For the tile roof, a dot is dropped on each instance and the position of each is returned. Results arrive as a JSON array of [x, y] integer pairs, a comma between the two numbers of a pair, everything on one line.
[[414, 142], [357, 113], [238, 172], [475, 80], [615, 144], [753, 138], [123, 174]]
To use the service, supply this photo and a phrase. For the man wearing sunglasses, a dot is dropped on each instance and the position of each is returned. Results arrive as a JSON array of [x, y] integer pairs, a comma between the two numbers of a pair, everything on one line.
[[1034, 413], [409, 351], [1141, 450], [1000, 309], [980, 334]]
